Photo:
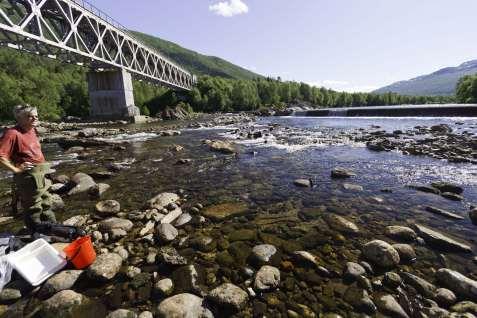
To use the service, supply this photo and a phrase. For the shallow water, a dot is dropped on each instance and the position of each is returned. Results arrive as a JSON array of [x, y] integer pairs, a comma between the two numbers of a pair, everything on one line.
[[262, 176]]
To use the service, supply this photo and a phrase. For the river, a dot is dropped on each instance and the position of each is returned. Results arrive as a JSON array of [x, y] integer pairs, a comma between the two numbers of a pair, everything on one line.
[[261, 177]]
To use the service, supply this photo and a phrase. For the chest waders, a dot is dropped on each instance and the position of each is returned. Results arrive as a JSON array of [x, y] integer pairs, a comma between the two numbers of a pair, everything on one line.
[[32, 190]]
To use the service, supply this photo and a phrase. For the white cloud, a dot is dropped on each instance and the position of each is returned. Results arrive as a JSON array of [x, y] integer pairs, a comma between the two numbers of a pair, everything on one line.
[[229, 8]]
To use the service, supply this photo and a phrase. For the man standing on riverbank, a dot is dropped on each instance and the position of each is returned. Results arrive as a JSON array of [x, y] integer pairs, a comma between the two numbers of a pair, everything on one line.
[[20, 152]]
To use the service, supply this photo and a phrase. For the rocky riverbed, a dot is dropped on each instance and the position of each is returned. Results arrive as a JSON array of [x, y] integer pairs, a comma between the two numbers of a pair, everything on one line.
[[234, 216]]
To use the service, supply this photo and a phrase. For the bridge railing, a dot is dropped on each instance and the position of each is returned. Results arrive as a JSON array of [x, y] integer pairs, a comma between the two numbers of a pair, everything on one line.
[[88, 6]]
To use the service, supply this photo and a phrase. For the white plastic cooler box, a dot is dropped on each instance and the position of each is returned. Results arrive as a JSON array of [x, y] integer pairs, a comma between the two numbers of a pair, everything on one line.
[[37, 261]]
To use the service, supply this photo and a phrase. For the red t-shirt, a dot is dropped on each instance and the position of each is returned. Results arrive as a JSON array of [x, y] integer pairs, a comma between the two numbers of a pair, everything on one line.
[[19, 146]]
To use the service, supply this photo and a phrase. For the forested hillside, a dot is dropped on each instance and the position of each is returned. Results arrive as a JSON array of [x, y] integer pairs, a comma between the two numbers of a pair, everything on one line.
[[467, 89], [194, 62]]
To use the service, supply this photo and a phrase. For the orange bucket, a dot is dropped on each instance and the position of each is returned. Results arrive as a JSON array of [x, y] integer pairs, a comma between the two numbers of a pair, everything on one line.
[[80, 252]]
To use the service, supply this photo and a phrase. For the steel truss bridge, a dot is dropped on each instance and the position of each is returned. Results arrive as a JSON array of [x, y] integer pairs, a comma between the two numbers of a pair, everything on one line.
[[76, 32]]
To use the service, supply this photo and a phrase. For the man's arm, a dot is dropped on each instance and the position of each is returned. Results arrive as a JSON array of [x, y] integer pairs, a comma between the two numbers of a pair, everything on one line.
[[9, 165]]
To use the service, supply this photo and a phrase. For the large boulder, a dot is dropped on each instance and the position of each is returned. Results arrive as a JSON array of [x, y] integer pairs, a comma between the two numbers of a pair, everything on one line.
[[183, 306], [105, 267], [62, 281], [115, 223], [70, 304], [381, 253], [463, 286], [81, 183], [229, 296]]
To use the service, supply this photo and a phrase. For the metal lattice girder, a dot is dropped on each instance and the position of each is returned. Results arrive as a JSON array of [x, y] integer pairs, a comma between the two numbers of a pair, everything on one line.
[[76, 32]]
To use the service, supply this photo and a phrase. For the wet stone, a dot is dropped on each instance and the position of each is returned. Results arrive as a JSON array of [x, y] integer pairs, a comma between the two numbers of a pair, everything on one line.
[[166, 232], [108, 207], [188, 279], [9, 294], [421, 285], [105, 267], [447, 187], [452, 196], [162, 200], [387, 304], [183, 306], [115, 223], [69, 304], [340, 224], [381, 253], [444, 213], [359, 299], [61, 281], [352, 187], [352, 271], [401, 233], [169, 256], [304, 183], [392, 280], [463, 286], [440, 240], [465, 307], [342, 173], [164, 287], [229, 296], [445, 297], [122, 313], [473, 216], [406, 252]]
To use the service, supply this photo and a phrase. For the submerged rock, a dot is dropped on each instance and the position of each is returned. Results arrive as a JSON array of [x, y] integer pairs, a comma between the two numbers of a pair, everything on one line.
[[387, 304], [122, 313], [441, 241], [381, 253], [447, 187], [342, 173], [267, 278], [162, 200], [445, 213], [401, 233], [340, 224], [263, 253], [225, 211], [169, 256], [473, 216], [359, 299], [462, 285], [82, 183], [108, 207], [70, 304], [304, 183], [183, 306], [225, 147]]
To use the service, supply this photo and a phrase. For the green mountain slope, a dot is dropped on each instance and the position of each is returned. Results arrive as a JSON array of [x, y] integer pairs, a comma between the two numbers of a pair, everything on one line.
[[194, 62], [440, 83]]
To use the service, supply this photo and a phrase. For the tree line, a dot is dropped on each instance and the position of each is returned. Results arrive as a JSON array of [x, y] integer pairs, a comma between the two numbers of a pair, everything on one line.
[[466, 91], [220, 94], [59, 90]]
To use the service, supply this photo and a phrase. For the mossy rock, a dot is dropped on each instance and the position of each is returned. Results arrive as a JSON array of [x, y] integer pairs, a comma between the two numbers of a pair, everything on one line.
[[243, 235], [224, 259], [224, 211], [240, 251]]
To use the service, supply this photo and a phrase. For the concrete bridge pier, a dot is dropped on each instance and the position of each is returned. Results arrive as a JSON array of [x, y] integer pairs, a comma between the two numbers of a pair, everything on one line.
[[111, 95]]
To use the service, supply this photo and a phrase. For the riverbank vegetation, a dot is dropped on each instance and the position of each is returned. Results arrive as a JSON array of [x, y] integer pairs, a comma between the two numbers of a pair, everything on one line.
[[59, 90], [466, 91]]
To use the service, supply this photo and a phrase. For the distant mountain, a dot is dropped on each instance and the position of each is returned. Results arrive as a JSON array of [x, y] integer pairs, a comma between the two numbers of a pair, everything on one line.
[[442, 82], [196, 63]]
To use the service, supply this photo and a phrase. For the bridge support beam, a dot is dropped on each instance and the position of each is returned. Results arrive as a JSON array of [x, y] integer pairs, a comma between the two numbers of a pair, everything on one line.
[[111, 95]]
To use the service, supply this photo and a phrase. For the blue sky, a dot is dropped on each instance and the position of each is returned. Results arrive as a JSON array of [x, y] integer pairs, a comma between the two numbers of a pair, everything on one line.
[[352, 45]]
